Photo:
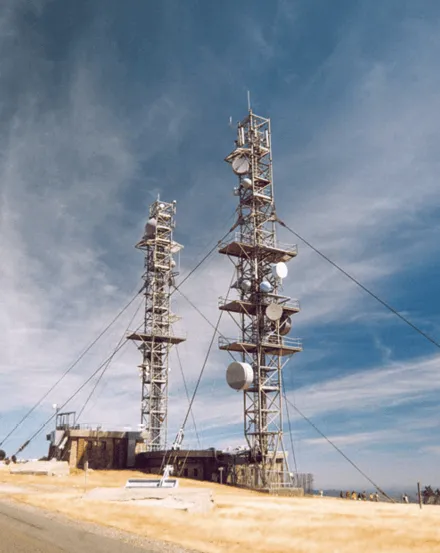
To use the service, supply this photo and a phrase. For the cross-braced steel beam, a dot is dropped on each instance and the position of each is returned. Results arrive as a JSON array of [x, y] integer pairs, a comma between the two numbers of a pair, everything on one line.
[[254, 250], [156, 338]]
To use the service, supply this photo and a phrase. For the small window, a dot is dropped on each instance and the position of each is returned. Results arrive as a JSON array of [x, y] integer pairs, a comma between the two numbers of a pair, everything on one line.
[[185, 473], [196, 473]]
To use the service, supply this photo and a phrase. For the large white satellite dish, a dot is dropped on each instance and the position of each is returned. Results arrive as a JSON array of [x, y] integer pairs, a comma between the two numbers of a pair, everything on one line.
[[240, 165], [239, 375], [274, 311], [280, 270]]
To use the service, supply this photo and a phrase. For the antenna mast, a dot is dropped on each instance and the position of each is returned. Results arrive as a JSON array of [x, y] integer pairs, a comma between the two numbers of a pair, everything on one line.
[[261, 312], [156, 339]]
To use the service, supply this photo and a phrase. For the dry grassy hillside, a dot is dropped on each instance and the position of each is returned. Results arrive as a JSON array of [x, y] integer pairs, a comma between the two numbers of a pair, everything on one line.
[[245, 521]]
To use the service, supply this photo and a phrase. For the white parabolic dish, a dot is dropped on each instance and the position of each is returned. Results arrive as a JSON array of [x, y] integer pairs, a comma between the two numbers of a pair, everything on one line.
[[280, 270], [240, 165], [239, 376], [274, 312]]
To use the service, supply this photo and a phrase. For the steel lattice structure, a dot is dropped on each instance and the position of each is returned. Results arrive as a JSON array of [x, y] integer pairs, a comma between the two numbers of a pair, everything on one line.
[[156, 339], [253, 250]]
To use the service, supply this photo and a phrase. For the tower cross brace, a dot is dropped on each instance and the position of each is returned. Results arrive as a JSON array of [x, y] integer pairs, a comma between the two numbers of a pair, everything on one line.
[[157, 338], [254, 250]]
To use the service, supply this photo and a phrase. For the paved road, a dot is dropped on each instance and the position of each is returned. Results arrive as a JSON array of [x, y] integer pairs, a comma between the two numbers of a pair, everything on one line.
[[22, 531]]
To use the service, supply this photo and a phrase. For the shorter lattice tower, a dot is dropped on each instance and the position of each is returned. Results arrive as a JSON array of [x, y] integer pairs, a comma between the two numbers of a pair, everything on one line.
[[157, 337]]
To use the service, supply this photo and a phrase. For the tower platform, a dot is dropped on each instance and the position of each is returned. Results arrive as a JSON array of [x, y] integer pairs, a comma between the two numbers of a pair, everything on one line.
[[156, 338], [272, 254], [243, 307], [287, 347]]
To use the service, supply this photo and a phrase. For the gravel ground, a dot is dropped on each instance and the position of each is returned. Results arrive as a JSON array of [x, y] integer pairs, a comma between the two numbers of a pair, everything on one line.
[[125, 537]]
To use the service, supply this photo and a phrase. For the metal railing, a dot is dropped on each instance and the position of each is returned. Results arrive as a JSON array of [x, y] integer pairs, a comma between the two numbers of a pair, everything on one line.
[[222, 341], [289, 342], [98, 427], [285, 480], [271, 339], [248, 239], [292, 303]]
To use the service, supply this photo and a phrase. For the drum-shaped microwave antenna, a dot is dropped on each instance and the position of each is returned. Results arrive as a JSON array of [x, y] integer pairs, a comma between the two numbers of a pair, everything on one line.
[[266, 287], [280, 270], [239, 376], [245, 285], [247, 183], [274, 311], [240, 165], [150, 228]]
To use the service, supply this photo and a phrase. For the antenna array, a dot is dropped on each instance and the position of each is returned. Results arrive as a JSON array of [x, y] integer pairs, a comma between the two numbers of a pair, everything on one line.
[[156, 339], [261, 312]]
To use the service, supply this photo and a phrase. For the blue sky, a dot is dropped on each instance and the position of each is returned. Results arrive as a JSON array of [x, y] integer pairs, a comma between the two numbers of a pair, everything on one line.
[[103, 105]]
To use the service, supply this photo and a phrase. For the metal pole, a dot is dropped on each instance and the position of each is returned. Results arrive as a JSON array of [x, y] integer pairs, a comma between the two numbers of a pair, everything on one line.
[[419, 494], [86, 469], [57, 408]]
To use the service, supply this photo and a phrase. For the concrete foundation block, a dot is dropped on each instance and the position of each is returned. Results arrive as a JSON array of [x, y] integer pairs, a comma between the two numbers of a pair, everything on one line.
[[44, 468], [186, 499]]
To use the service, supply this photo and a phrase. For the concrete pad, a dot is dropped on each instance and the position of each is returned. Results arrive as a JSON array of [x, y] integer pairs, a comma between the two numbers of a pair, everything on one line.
[[45, 468], [187, 499]]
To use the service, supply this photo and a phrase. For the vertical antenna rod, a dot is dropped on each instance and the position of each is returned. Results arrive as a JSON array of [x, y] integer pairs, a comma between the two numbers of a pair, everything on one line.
[[262, 313], [156, 339]]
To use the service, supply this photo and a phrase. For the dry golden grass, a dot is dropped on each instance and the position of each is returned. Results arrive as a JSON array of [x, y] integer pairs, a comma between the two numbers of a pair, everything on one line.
[[245, 521]]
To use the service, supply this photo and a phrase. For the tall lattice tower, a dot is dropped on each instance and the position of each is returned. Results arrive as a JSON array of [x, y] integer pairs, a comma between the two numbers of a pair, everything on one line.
[[157, 338], [261, 312]]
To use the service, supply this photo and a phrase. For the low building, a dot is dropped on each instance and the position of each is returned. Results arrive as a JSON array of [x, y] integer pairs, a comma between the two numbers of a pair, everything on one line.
[[227, 467], [195, 464], [103, 449]]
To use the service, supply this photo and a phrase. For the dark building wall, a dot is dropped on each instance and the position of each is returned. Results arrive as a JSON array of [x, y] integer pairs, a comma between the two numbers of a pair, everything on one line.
[[106, 453], [211, 466], [198, 464]]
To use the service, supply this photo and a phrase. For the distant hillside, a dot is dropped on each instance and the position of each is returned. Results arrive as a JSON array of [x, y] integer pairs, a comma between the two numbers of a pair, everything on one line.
[[394, 493]]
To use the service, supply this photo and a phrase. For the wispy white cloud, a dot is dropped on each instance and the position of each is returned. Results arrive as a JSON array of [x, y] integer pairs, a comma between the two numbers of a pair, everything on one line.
[[370, 438], [376, 388], [432, 449], [362, 187], [63, 168]]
